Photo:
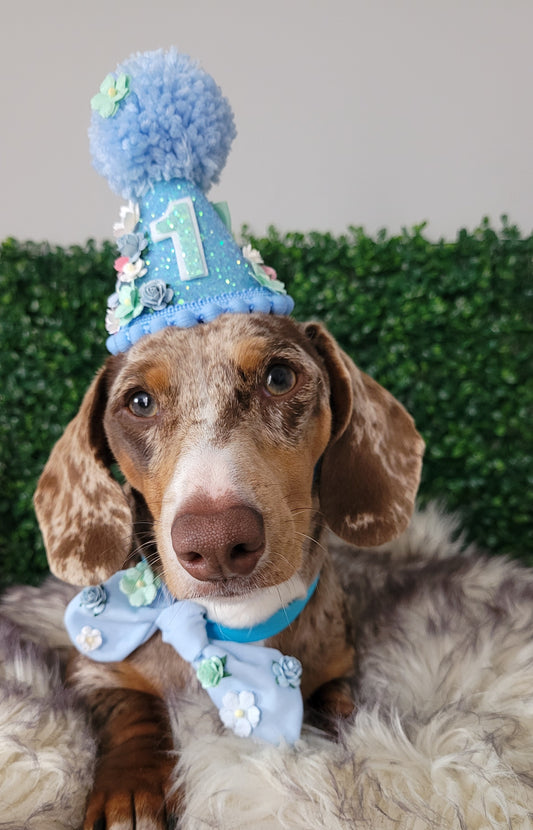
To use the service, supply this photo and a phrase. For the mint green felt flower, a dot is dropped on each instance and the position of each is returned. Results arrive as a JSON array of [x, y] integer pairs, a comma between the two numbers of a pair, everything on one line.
[[112, 92], [211, 671], [140, 585], [263, 278], [263, 274], [129, 305]]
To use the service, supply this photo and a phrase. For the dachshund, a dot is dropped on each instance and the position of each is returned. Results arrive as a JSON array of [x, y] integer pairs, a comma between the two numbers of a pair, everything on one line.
[[238, 443]]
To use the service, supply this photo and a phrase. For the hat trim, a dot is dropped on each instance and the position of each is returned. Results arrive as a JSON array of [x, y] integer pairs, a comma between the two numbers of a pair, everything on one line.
[[201, 311]]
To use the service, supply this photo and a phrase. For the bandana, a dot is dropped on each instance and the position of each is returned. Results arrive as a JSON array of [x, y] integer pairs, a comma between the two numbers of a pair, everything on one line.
[[256, 689]]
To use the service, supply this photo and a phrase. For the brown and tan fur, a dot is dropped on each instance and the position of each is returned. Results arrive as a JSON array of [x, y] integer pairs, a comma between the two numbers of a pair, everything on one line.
[[335, 449]]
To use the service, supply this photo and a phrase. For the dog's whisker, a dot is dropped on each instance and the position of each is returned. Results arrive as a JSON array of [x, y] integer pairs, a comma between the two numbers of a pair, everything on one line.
[[316, 542]]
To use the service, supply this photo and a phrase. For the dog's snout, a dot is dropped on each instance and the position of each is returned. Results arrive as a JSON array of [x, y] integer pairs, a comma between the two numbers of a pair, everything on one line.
[[218, 543]]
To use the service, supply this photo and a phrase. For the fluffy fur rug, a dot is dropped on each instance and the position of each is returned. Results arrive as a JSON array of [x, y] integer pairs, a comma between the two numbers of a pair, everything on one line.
[[442, 736]]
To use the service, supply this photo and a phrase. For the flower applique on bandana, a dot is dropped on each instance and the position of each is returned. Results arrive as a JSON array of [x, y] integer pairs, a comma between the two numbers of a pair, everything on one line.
[[140, 585]]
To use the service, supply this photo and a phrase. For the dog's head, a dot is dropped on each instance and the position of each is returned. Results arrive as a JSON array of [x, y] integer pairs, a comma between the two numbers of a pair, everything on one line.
[[239, 439]]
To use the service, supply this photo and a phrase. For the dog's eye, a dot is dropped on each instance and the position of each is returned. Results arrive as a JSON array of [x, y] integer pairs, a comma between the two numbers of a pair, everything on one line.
[[280, 379], [142, 404]]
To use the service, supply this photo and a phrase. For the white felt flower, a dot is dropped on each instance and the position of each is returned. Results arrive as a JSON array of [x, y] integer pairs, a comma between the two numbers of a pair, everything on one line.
[[240, 713], [112, 323], [129, 219], [252, 255], [89, 639]]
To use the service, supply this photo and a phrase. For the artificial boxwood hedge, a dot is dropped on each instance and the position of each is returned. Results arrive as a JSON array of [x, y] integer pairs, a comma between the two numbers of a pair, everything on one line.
[[446, 326]]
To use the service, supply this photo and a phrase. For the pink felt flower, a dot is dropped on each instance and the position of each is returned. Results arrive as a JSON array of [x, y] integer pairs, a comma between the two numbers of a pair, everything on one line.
[[120, 263], [270, 272]]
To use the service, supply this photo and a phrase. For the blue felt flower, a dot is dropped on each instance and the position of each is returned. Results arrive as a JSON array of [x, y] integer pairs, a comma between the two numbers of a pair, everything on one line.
[[114, 300], [94, 598], [288, 672], [132, 245], [155, 295]]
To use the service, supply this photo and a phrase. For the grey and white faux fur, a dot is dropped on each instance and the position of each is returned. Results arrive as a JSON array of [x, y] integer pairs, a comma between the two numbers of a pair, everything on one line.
[[47, 751], [442, 736]]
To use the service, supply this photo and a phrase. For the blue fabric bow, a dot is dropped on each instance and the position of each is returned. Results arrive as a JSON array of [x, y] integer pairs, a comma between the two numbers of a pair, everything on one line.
[[255, 688]]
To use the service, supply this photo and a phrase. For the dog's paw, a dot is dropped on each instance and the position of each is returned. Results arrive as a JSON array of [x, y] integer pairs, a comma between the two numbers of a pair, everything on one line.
[[123, 810], [131, 802], [331, 705]]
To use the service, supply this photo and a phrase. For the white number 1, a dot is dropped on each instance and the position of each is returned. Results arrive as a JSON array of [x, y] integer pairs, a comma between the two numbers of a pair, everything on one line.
[[179, 223]]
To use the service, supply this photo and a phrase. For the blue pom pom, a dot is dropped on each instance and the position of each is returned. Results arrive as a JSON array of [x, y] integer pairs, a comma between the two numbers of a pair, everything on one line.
[[173, 123]]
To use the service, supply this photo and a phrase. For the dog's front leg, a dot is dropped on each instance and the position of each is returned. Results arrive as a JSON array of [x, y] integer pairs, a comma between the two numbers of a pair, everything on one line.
[[134, 764], [132, 783]]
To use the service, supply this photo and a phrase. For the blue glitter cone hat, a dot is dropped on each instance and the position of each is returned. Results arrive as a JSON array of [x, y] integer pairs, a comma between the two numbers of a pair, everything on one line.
[[160, 133]]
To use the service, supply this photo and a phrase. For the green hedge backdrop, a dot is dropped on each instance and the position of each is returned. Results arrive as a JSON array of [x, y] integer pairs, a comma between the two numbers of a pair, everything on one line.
[[446, 326]]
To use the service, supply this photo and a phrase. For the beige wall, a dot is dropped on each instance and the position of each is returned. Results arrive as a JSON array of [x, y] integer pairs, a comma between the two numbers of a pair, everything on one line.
[[373, 112]]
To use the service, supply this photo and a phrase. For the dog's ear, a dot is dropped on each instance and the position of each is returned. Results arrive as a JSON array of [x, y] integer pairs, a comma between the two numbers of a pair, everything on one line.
[[82, 511], [371, 468]]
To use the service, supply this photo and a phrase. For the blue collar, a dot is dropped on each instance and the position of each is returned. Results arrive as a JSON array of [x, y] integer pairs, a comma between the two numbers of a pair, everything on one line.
[[262, 631]]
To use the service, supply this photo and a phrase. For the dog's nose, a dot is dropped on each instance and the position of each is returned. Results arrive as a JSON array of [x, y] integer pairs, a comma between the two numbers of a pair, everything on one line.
[[214, 544]]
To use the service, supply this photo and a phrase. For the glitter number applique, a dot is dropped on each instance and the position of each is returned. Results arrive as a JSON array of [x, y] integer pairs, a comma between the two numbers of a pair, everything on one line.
[[179, 223]]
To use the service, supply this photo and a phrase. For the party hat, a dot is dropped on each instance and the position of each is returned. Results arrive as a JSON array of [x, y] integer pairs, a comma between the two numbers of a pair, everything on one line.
[[161, 131]]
